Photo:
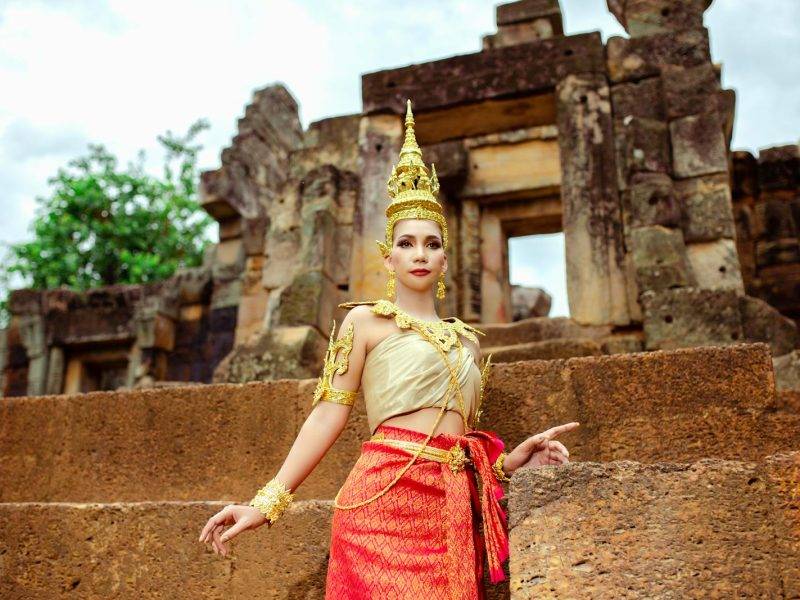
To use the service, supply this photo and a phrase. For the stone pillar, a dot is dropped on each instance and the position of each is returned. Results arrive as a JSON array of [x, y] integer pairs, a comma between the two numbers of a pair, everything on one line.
[[380, 140], [495, 289], [470, 273], [592, 222], [55, 371], [32, 334]]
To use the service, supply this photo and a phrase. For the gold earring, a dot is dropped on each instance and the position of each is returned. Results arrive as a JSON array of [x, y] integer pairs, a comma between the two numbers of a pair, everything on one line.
[[440, 289], [390, 285]]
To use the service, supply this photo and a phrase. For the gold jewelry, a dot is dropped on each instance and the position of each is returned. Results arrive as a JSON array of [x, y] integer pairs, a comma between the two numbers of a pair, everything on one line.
[[335, 366], [440, 289], [498, 468], [390, 285], [442, 335], [484, 378], [272, 499], [413, 189]]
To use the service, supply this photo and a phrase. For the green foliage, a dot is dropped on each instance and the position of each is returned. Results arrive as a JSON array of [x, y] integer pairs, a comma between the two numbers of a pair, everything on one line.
[[103, 225]]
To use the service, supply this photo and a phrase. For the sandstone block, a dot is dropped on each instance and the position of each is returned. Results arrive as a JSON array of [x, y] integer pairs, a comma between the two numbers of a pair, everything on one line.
[[689, 316], [193, 285], [450, 159], [715, 265], [637, 58], [745, 174], [309, 300], [647, 145], [646, 17], [228, 260], [777, 252], [698, 146], [526, 10], [643, 99], [775, 219], [659, 257], [538, 329], [226, 294], [712, 528], [706, 209], [545, 350], [150, 550], [512, 168], [761, 322], [691, 90], [522, 33], [468, 78], [283, 248], [652, 201], [726, 105], [779, 167], [787, 371]]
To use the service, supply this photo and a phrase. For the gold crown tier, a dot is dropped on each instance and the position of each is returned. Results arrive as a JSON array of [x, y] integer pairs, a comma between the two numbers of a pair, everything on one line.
[[413, 188]]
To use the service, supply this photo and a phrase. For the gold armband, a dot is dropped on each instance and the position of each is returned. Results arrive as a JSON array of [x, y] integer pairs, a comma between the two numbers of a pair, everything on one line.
[[335, 366], [272, 500], [498, 468]]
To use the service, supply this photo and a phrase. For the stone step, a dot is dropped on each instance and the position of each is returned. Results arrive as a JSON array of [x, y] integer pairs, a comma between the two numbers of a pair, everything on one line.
[[565, 348], [538, 329], [710, 529], [150, 550], [223, 440]]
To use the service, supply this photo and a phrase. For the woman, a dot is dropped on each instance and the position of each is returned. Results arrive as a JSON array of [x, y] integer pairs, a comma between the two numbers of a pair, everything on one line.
[[410, 517]]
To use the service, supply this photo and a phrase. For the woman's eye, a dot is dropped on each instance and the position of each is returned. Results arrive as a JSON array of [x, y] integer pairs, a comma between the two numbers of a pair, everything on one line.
[[434, 245], [403, 243]]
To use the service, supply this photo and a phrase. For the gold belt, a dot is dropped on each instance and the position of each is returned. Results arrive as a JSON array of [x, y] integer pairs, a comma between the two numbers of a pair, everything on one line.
[[455, 457]]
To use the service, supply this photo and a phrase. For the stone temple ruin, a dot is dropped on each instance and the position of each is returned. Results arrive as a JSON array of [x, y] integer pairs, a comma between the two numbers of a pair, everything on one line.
[[680, 352], [672, 240]]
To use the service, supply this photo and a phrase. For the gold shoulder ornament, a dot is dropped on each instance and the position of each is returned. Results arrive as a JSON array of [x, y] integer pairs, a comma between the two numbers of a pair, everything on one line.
[[442, 334], [335, 365]]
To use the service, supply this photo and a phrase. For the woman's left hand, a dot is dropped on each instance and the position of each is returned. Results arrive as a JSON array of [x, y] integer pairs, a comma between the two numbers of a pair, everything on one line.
[[539, 450]]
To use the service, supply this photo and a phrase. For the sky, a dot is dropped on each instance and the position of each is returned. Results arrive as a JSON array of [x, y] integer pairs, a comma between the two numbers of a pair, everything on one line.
[[122, 72]]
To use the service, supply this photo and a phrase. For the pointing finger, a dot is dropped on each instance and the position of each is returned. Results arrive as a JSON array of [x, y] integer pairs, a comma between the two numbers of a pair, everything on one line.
[[559, 429]]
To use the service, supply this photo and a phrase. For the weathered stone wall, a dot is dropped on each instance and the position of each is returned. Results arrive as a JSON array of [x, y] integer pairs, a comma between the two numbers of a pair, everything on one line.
[[624, 148], [766, 195]]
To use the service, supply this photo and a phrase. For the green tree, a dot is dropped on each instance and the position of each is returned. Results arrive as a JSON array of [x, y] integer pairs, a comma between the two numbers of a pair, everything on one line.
[[103, 225]]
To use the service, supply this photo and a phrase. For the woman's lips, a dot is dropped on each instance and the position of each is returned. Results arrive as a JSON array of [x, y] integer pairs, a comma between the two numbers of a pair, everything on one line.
[[420, 272]]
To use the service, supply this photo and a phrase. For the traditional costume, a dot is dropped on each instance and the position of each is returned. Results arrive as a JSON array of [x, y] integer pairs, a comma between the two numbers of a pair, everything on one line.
[[417, 514]]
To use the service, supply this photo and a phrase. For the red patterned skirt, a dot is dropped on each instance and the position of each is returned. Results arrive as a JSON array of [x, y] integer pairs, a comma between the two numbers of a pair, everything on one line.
[[427, 537]]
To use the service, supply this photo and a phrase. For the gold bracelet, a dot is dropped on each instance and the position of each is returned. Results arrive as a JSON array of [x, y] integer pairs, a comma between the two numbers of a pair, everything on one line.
[[272, 500], [498, 468]]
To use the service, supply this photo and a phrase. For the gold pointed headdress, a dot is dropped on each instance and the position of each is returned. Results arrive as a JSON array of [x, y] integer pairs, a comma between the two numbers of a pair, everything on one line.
[[412, 188]]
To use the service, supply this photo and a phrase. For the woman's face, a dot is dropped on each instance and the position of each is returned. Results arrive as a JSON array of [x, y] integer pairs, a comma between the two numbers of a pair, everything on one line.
[[417, 255]]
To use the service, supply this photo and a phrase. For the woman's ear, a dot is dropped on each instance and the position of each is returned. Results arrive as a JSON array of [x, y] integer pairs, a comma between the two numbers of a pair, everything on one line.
[[387, 262], [444, 264]]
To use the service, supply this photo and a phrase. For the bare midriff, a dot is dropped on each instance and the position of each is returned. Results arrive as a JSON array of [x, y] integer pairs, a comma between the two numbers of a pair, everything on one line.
[[422, 420]]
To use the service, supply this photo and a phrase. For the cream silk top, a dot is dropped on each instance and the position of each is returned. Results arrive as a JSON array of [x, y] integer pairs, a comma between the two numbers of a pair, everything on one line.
[[405, 372]]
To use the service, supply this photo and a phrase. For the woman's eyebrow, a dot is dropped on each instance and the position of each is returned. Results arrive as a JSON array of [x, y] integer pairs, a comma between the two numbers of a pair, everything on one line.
[[411, 237]]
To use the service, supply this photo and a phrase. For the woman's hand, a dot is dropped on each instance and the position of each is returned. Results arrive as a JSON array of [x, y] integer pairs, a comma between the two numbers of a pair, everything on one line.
[[239, 516], [539, 450]]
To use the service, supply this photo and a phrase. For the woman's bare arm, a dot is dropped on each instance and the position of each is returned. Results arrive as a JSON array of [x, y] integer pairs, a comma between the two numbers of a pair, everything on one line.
[[318, 433], [327, 420]]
